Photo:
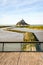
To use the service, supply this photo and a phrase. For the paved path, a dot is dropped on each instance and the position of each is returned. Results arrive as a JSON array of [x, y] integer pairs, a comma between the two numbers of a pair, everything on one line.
[[21, 58]]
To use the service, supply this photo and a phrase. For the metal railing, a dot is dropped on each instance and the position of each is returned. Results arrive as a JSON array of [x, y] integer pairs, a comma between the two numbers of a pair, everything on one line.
[[3, 44]]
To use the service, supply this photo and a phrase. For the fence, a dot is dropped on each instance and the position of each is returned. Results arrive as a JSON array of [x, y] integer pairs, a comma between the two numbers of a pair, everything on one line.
[[5, 46]]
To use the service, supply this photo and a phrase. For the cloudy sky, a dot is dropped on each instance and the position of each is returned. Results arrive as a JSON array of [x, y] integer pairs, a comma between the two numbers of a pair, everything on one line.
[[11, 11]]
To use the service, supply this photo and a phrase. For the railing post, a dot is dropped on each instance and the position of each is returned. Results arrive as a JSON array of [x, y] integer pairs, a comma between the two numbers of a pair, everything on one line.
[[3, 47]]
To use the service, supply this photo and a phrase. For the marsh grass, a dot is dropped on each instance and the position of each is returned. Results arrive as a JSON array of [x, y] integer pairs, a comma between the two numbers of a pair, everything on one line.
[[38, 27]]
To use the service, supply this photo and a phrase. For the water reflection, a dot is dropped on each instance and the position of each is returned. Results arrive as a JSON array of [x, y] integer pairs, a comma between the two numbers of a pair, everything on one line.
[[20, 47]]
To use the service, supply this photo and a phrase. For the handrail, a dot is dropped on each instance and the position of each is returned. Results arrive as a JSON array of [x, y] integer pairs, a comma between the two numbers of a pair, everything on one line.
[[23, 42], [39, 42]]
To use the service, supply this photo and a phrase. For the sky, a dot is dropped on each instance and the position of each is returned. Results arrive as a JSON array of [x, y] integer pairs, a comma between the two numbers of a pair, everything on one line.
[[12, 11]]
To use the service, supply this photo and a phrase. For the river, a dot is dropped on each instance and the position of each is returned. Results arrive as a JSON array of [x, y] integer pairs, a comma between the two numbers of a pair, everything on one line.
[[14, 36]]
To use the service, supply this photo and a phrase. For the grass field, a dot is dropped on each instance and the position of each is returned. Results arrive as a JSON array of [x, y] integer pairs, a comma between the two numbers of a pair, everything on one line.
[[39, 27]]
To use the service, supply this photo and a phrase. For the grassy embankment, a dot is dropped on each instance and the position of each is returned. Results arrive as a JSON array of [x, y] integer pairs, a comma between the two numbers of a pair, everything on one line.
[[39, 27], [36, 27], [30, 37]]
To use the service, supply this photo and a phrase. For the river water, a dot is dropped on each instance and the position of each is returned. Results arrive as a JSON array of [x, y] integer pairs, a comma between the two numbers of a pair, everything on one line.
[[14, 36]]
